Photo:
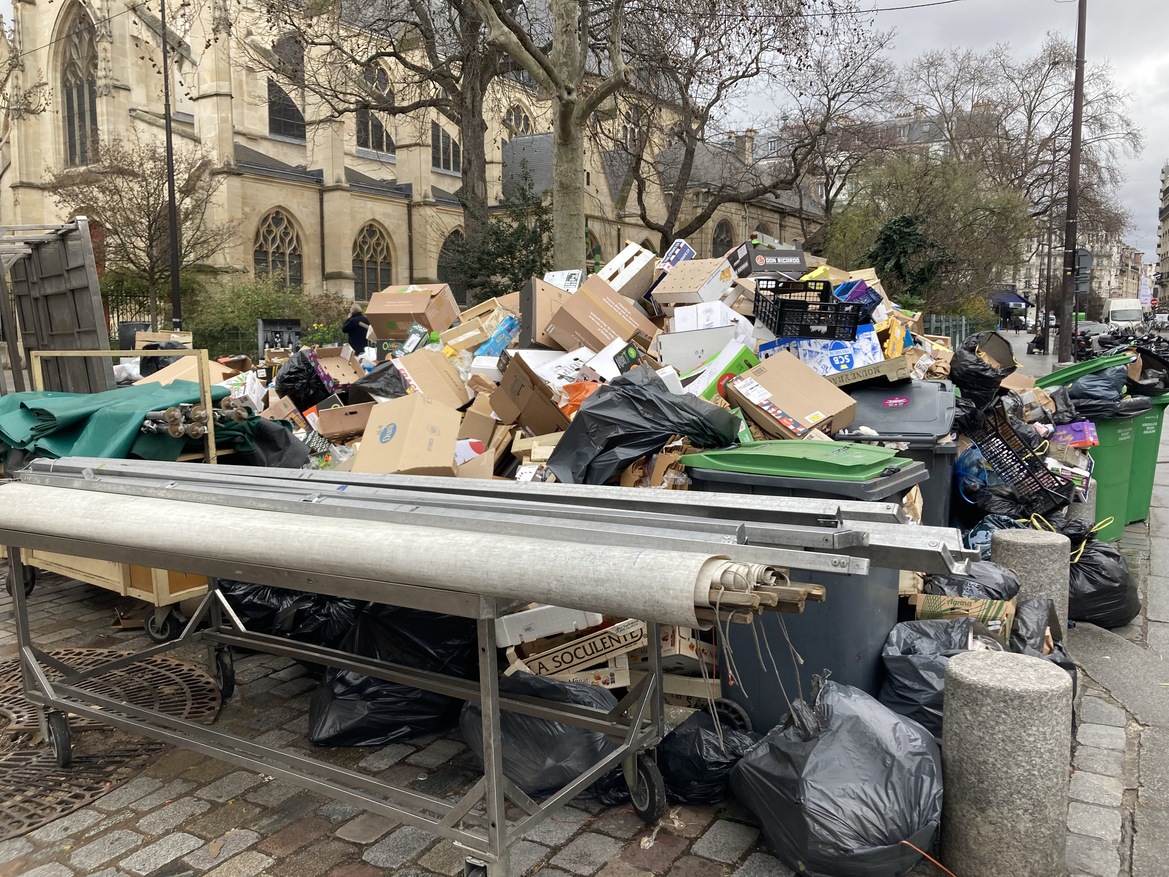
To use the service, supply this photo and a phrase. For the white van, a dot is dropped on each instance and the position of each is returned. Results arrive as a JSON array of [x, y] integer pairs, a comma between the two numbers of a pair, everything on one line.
[[1123, 313]]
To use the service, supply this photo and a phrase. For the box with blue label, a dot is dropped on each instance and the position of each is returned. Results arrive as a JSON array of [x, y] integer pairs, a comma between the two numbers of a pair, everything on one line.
[[828, 358], [413, 435]]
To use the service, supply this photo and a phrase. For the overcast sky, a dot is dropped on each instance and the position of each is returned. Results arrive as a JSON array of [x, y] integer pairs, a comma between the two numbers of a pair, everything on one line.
[[1130, 35]]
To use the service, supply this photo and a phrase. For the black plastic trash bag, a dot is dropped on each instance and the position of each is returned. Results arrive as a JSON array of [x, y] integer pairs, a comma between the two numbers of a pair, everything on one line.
[[986, 581], [974, 376], [1065, 408], [383, 383], [542, 756], [979, 536], [258, 606], [1106, 385], [696, 765], [915, 656], [1128, 406], [1102, 591], [1005, 499], [1032, 619], [350, 709], [837, 790], [629, 417], [298, 380], [148, 365]]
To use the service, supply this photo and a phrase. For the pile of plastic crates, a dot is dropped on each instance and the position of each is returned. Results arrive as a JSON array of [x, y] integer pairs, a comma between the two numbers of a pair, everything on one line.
[[805, 309], [1014, 461]]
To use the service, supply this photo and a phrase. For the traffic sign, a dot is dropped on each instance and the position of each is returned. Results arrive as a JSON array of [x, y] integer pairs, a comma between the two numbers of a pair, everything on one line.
[[1155, 302]]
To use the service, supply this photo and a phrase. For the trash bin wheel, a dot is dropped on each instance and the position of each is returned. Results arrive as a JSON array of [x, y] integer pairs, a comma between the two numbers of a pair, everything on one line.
[[30, 580], [474, 868], [225, 672], [730, 714], [165, 630], [60, 738], [649, 796]]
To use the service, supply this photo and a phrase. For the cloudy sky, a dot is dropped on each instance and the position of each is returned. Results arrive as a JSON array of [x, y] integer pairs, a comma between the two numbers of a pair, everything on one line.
[[1130, 35]]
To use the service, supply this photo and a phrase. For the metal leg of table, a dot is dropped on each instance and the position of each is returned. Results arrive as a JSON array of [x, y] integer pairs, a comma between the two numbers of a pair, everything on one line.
[[493, 793]]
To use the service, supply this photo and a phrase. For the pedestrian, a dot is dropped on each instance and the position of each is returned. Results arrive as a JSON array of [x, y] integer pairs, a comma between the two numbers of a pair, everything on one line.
[[357, 328]]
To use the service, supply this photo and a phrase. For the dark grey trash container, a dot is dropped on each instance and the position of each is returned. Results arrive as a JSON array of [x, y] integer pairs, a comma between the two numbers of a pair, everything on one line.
[[128, 331], [843, 635]]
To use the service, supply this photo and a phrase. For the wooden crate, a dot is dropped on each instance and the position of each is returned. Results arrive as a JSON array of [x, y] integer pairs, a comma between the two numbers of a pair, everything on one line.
[[161, 587], [158, 587]]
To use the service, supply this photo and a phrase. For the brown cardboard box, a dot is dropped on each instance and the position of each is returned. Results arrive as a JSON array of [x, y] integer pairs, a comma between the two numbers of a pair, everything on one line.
[[432, 374], [595, 315], [478, 421], [694, 281], [413, 435], [630, 272], [141, 339], [1019, 382], [524, 399], [482, 466], [392, 311], [343, 422], [539, 300], [997, 615], [338, 363], [586, 651], [282, 408], [787, 399], [187, 369]]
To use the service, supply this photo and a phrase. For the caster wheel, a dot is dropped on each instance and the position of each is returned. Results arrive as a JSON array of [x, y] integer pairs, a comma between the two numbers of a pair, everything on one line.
[[731, 715], [163, 631], [225, 673], [649, 796], [474, 868], [30, 580], [60, 738]]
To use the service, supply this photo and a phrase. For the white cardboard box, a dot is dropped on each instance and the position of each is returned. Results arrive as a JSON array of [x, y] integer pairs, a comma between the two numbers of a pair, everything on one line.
[[541, 621]]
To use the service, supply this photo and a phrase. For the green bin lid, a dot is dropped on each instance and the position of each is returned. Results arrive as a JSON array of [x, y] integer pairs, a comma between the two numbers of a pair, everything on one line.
[[1077, 371], [832, 461]]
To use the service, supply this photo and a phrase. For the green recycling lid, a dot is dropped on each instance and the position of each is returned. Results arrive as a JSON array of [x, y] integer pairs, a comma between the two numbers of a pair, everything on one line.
[[1077, 371], [833, 461]]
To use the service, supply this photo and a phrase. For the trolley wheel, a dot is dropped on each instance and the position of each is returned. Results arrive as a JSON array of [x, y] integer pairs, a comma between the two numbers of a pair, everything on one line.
[[731, 715], [30, 580], [225, 672], [165, 630], [649, 796], [60, 738], [474, 868]]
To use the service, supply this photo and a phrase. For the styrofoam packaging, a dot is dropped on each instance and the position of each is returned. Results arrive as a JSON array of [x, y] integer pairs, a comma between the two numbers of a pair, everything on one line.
[[542, 621], [487, 367]]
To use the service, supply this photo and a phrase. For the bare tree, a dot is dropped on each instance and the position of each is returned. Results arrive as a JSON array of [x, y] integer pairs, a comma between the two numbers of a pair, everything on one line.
[[124, 189]]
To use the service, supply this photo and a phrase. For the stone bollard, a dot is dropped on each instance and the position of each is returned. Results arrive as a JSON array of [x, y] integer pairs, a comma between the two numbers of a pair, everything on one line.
[[1041, 559], [1006, 743], [1086, 510]]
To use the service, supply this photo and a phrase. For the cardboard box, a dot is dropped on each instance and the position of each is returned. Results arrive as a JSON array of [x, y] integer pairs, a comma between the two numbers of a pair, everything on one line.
[[539, 622], [679, 252], [614, 673], [187, 339], [694, 281], [187, 369], [731, 361], [709, 315], [343, 421], [468, 334], [1019, 382], [595, 315], [394, 310], [687, 351], [997, 615], [522, 398], [432, 374], [630, 272], [890, 369], [788, 400], [482, 466], [282, 408], [681, 652], [478, 421], [569, 281], [829, 358], [539, 300], [339, 364], [587, 651], [413, 435], [749, 259]]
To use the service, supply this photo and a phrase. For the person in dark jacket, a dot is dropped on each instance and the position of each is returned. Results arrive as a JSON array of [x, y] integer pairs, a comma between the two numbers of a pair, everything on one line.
[[357, 328]]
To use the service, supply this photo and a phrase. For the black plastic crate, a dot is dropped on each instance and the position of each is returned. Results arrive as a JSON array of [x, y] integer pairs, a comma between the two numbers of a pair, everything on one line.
[[795, 290], [793, 318], [1017, 464]]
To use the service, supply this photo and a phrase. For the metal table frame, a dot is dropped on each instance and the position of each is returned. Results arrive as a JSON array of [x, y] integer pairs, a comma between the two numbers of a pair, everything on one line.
[[477, 822]]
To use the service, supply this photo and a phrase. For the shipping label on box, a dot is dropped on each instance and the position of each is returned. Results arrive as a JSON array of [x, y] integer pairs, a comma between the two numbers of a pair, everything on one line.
[[996, 615], [569, 281], [588, 651]]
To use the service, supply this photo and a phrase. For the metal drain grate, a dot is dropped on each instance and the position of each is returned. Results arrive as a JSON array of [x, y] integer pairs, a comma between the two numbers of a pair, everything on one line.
[[35, 790], [158, 683]]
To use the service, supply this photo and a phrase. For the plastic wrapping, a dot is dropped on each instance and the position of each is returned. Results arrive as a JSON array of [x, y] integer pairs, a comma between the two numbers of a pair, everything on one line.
[[350, 709], [975, 377], [541, 756], [1101, 589], [979, 536], [1128, 406], [915, 657], [385, 382], [298, 381], [1106, 385], [695, 765], [986, 581], [837, 790], [629, 417]]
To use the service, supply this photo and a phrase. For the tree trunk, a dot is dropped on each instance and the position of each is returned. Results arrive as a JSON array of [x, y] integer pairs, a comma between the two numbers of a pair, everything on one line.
[[568, 220], [152, 295], [473, 127]]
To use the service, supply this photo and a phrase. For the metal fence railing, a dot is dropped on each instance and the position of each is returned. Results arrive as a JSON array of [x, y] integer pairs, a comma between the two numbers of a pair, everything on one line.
[[959, 328]]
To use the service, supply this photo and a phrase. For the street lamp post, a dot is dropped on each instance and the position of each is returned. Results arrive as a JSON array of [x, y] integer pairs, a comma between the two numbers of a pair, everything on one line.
[[176, 301], [1069, 234]]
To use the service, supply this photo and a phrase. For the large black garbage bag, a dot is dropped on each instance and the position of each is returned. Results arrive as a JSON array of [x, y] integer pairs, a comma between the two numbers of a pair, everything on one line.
[[1032, 619], [383, 383], [260, 442], [979, 536], [986, 581], [148, 365], [350, 709], [1065, 408], [1106, 385], [915, 656], [975, 377], [1005, 499], [542, 756], [1101, 589], [299, 381], [1128, 406], [258, 606], [629, 417], [696, 765], [837, 790]]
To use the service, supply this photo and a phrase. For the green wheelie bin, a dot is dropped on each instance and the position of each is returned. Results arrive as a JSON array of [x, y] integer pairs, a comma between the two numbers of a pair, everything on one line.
[[1113, 459], [1146, 445]]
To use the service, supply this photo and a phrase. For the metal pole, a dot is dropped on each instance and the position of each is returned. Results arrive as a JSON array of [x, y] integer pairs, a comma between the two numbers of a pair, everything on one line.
[[176, 302], [1069, 233], [1046, 328]]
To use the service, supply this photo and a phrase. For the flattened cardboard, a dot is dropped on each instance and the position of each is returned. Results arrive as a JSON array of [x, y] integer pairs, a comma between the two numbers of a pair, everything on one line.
[[539, 300], [432, 374], [595, 315], [413, 435], [392, 311], [788, 400], [890, 369], [343, 421], [187, 369]]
